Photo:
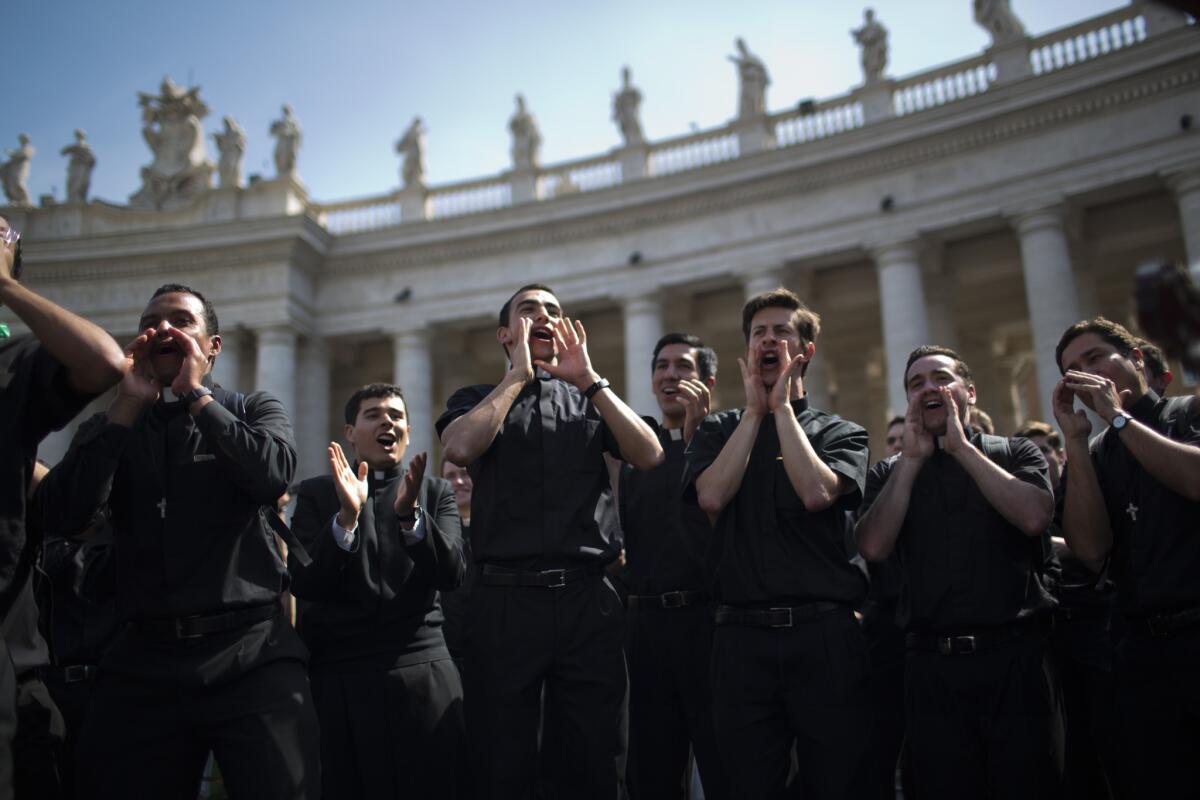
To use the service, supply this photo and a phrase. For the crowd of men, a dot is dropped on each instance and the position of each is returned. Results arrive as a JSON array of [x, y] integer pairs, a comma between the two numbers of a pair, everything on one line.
[[588, 603]]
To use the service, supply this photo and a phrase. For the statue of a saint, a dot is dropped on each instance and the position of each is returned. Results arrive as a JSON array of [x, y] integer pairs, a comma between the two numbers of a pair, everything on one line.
[[412, 147], [79, 168], [626, 106], [14, 173], [286, 131], [171, 128], [754, 80], [526, 140], [872, 37], [231, 144], [997, 18]]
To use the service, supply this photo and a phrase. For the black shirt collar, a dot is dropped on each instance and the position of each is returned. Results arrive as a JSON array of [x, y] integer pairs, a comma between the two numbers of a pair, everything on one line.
[[1144, 409], [800, 405]]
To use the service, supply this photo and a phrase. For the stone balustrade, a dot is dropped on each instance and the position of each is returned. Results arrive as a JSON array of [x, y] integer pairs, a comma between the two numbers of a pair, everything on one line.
[[1087, 40]]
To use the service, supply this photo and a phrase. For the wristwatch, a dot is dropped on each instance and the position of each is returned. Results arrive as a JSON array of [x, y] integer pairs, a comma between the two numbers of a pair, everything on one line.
[[1120, 421], [411, 520], [196, 394]]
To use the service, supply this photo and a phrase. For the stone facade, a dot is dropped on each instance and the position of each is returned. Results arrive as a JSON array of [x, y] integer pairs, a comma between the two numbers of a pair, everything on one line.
[[965, 210]]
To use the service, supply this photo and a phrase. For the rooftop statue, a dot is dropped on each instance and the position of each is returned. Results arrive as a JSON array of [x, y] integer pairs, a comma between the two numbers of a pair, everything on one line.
[[171, 128], [526, 140], [286, 131], [753, 80], [14, 173], [626, 110], [79, 168], [231, 144], [998, 19], [872, 37], [411, 146]]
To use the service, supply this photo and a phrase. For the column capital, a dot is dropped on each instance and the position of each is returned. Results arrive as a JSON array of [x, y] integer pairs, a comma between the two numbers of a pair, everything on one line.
[[411, 337], [1184, 180], [647, 302], [896, 251], [1036, 217], [282, 333], [761, 280]]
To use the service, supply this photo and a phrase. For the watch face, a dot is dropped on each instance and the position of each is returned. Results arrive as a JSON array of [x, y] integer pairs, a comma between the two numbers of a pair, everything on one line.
[[1119, 421]]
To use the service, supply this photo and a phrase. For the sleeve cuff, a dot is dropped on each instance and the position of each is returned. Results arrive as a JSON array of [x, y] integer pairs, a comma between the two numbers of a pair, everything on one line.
[[414, 536], [342, 537]]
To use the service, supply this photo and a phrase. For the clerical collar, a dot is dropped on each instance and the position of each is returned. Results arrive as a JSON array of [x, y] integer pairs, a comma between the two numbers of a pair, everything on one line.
[[172, 400], [676, 434], [542, 375], [384, 475]]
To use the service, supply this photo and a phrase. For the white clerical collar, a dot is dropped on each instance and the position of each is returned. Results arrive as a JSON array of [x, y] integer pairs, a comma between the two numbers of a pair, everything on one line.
[[676, 434], [170, 397], [541, 374]]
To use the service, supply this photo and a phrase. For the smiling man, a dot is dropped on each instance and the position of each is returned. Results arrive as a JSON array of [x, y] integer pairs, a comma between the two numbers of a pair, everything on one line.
[[542, 615], [1133, 501], [789, 663], [206, 661], [667, 540], [384, 541], [969, 515]]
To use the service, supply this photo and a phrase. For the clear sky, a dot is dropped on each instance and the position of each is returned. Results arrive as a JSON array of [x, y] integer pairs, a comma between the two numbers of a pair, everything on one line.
[[357, 71]]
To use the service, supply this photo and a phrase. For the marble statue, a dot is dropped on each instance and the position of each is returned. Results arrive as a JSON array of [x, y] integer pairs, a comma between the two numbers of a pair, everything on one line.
[[286, 131], [231, 144], [412, 147], [14, 173], [171, 128], [626, 106], [526, 140], [753, 80], [872, 37], [998, 19], [79, 168]]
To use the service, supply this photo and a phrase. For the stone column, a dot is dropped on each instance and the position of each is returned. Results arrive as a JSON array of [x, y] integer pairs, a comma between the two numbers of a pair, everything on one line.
[[227, 369], [643, 328], [276, 368], [816, 377], [762, 281], [904, 314], [1049, 291], [413, 373], [1186, 186], [312, 412]]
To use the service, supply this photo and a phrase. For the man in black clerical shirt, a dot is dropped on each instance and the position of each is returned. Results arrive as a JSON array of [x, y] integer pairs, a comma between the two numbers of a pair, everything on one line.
[[668, 575], [1132, 506], [383, 541], [968, 514], [543, 526], [454, 601], [46, 378], [206, 661], [789, 662]]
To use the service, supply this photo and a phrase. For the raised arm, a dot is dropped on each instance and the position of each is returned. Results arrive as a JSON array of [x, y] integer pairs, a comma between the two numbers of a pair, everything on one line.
[[717, 484], [93, 361], [817, 486], [439, 553], [1085, 522]]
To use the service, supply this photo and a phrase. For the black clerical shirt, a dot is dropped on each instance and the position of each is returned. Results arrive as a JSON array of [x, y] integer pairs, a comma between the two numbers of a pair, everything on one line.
[[35, 399], [1156, 532], [666, 535], [770, 550], [966, 566], [542, 496]]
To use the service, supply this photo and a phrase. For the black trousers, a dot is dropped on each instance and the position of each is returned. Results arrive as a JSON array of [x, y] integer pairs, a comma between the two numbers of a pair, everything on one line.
[[670, 702], [1157, 684], [567, 640], [8, 720], [885, 643], [391, 734], [984, 725], [805, 684], [38, 746], [72, 700], [151, 739], [1085, 676]]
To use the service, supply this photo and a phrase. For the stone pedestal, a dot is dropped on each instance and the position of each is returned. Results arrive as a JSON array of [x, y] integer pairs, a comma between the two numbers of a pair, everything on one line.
[[414, 203], [1160, 17], [643, 328], [633, 161], [525, 185], [876, 99], [277, 198], [754, 134], [1049, 291], [413, 373], [904, 314], [1011, 60]]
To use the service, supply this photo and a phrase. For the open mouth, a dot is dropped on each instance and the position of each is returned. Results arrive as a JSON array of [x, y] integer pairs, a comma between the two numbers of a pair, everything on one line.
[[541, 334], [386, 440], [933, 404], [167, 349], [769, 359]]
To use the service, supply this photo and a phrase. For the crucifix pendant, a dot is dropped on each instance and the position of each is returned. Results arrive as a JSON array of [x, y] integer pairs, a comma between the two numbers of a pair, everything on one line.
[[1132, 511], [162, 508]]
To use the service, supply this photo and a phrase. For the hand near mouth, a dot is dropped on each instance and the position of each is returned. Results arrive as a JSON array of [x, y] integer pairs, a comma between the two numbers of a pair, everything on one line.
[[195, 362], [1097, 393], [1073, 422], [789, 379], [917, 442], [139, 386], [518, 351], [756, 393], [574, 365], [695, 399], [351, 486], [956, 438], [408, 489]]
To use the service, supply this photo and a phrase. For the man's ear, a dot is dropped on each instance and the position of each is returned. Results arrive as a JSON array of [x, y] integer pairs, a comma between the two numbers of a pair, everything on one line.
[[710, 381], [214, 346], [503, 336], [971, 394], [809, 350], [347, 432]]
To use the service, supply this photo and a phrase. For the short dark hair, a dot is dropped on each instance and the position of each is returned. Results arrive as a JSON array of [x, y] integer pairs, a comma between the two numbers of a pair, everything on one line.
[[366, 393], [529, 287], [896, 420], [807, 321], [925, 350], [1036, 427], [211, 326], [706, 358], [1154, 357], [1114, 333]]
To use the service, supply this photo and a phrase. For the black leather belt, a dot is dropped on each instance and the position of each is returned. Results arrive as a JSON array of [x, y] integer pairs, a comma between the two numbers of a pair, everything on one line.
[[541, 578], [204, 624], [782, 617], [965, 644], [677, 599], [75, 673], [1077, 613], [1163, 626]]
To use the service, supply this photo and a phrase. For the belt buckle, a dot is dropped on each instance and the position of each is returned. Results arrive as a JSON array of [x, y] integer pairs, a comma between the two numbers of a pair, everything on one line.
[[75, 673], [557, 575], [787, 624], [956, 645], [178, 626], [673, 600], [1159, 627]]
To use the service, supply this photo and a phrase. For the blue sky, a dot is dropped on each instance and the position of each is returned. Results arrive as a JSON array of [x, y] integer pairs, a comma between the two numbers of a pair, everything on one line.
[[357, 71]]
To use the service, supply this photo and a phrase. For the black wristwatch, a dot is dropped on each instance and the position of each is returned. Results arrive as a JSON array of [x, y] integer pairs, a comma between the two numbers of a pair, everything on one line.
[[196, 394], [1120, 421], [594, 388]]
